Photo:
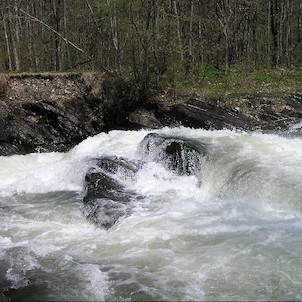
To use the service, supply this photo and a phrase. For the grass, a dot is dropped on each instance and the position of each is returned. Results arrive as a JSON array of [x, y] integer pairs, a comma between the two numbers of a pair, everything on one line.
[[239, 82]]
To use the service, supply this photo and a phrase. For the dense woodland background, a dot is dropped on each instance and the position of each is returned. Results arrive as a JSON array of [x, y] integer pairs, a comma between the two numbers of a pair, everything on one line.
[[151, 39]]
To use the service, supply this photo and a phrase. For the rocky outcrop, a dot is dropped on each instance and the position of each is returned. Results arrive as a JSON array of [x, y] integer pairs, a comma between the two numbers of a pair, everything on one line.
[[54, 112], [45, 112], [247, 113], [197, 112]]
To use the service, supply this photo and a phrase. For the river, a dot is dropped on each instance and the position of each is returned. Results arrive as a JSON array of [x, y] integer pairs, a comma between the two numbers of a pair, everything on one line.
[[233, 233]]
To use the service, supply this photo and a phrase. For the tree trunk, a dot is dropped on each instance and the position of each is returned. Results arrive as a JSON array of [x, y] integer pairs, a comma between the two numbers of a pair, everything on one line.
[[10, 67], [274, 31], [13, 31], [268, 34], [180, 44], [114, 35], [56, 17], [190, 56]]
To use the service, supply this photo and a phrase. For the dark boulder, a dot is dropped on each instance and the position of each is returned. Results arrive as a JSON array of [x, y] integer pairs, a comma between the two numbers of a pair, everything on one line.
[[178, 154], [106, 199], [114, 164], [101, 185]]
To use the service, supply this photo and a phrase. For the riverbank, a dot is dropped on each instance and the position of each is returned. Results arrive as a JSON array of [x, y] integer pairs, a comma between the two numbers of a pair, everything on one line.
[[54, 112]]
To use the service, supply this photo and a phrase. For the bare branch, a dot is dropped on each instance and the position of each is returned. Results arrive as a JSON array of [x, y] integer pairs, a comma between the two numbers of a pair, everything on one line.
[[51, 29], [89, 6]]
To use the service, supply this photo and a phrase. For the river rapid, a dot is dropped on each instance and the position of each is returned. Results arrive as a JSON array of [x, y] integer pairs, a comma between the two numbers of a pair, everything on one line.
[[232, 233]]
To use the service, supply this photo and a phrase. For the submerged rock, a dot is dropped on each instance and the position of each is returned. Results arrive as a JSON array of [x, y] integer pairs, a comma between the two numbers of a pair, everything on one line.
[[106, 199], [105, 212], [177, 154], [114, 164], [3, 297]]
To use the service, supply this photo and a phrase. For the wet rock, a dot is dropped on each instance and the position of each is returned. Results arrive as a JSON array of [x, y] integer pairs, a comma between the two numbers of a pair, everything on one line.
[[177, 154], [114, 164], [197, 111], [100, 185], [145, 118], [46, 114], [106, 199], [3, 297], [105, 212]]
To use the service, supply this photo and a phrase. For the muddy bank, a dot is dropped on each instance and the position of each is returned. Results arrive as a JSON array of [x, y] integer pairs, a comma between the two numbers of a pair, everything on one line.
[[46, 112]]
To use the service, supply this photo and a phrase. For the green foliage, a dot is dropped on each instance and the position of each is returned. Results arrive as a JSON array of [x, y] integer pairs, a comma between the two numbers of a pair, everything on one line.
[[238, 82], [208, 45], [209, 72], [264, 76]]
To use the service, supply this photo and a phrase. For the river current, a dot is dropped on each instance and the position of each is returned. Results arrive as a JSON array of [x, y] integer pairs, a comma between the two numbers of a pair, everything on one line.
[[233, 233]]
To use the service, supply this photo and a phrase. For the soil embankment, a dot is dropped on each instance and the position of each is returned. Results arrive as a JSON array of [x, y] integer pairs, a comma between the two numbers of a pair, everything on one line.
[[47, 112]]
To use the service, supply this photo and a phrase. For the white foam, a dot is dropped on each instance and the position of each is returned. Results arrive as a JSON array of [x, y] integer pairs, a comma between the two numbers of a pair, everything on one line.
[[47, 172], [98, 286], [40, 173], [17, 280], [183, 240]]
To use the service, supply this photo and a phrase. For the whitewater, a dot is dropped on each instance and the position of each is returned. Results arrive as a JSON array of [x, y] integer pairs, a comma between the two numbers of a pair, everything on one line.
[[233, 232]]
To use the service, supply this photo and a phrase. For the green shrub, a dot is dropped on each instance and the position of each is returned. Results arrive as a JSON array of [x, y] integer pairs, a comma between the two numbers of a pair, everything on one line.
[[209, 72], [267, 77]]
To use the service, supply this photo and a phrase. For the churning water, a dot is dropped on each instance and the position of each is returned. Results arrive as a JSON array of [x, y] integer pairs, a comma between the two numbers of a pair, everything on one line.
[[234, 232]]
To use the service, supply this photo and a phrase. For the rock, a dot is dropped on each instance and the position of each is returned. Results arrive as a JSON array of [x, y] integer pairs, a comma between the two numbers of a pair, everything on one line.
[[3, 298], [106, 199], [105, 212], [180, 155], [54, 112], [145, 118], [46, 125], [46, 114], [198, 112], [100, 185], [114, 164]]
